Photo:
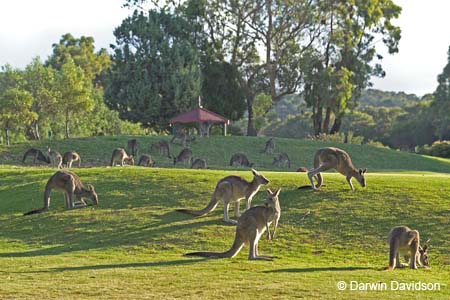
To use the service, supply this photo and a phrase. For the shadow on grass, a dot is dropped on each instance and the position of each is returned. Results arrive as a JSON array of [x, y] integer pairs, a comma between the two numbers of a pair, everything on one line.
[[321, 269]]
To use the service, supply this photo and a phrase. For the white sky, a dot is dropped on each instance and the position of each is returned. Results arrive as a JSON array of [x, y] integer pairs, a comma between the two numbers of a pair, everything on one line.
[[28, 28]]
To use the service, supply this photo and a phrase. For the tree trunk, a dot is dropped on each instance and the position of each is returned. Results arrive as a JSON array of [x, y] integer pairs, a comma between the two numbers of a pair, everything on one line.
[[317, 120], [36, 134], [67, 125], [7, 136], [326, 122], [337, 125], [251, 131]]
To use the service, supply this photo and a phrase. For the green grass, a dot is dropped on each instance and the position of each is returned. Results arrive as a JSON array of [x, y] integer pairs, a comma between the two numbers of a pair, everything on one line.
[[132, 245], [218, 150]]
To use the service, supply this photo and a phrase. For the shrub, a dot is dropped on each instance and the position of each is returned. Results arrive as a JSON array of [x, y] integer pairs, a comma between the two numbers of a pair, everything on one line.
[[438, 148]]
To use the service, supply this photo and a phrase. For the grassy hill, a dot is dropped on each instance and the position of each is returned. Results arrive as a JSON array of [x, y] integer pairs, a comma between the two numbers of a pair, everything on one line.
[[131, 246], [218, 150]]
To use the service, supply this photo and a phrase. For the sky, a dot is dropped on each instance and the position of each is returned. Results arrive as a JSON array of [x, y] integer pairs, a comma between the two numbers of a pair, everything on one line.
[[28, 28]]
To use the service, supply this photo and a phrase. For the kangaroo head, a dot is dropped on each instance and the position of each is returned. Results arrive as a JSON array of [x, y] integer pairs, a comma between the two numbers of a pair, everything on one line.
[[259, 178], [423, 252], [130, 160], [93, 196], [360, 177]]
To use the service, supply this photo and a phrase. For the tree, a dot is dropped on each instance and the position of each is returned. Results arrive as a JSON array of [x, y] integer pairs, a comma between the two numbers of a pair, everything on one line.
[[155, 72], [15, 110], [73, 93], [221, 90], [343, 58], [82, 52], [441, 103], [40, 82], [262, 39]]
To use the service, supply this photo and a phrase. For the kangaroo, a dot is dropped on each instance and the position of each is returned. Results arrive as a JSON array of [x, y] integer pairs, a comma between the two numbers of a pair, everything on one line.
[[133, 147], [240, 159], [231, 189], [302, 169], [282, 160], [250, 227], [121, 155], [146, 161], [199, 164], [69, 158], [55, 156], [70, 184], [335, 158], [270, 146], [37, 155], [162, 146], [184, 156], [184, 138], [403, 240]]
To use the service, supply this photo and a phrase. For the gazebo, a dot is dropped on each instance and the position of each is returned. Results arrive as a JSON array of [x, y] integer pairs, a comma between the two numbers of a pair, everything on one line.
[[205, 119]]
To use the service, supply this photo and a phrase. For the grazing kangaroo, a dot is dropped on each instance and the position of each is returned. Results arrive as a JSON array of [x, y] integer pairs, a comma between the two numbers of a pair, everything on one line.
[[250, 227], [37, 155], [335, 158], [133, 147], [240, 159], [146, 161], [184, 156], [70, 184], [199, 164], [405, 241], [162, 146], [302, 169], [121, 155], [184, 138], [56, 157], [69, 158], [270, 146], [282, 160], [232, 189]]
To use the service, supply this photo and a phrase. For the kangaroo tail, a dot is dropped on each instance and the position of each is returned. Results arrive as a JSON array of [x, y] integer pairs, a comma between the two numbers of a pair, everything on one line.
[[209, 208], [235, 248], [36, 211]]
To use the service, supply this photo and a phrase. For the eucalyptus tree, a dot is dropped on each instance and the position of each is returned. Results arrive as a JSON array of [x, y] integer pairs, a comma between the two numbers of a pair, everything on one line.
[[441, 103]]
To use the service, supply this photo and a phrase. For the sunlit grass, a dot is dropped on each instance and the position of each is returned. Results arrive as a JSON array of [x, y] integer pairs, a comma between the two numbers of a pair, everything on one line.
[[132, 245]]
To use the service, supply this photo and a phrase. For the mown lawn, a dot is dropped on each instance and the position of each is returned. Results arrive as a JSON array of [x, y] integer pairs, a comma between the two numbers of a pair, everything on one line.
[[132, 245], [217, 150]]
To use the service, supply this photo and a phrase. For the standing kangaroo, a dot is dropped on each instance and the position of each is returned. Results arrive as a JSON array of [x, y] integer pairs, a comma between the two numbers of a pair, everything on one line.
[[121, 155], [70, 157], [282, 160], [403, 240], [70, 184], [184, 156], [270, 146], [55, 156], [335, 158], [162, 146], [240, 159], [146, 161], [37, 155], [133, 147], [232, 189], [250, 227], [199, 163]]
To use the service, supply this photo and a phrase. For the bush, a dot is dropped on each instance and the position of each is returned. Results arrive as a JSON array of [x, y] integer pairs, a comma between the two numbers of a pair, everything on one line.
[[438, 148]]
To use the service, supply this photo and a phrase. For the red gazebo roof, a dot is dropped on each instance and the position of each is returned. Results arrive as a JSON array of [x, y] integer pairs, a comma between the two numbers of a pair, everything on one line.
[[199, 114]]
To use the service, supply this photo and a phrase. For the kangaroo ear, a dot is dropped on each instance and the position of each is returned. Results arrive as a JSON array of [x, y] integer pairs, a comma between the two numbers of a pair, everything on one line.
[[277, 192], [364, 171], [91, 187], [269, 191], [254, 172]]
